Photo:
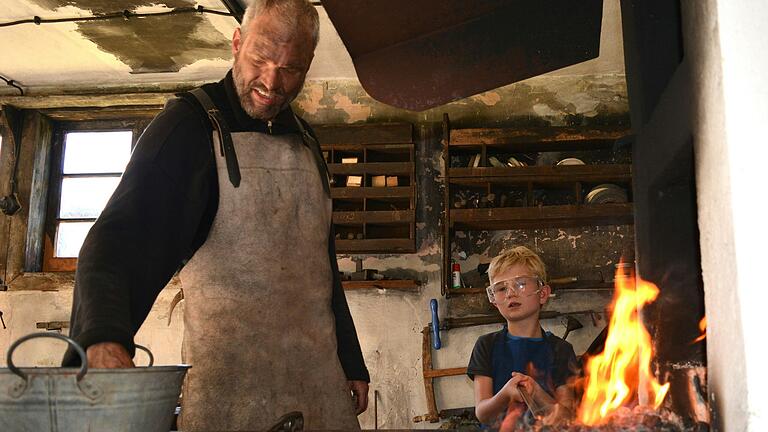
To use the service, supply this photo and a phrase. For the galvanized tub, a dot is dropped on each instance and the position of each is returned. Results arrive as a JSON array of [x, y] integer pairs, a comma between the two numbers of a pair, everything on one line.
[[141, 399]]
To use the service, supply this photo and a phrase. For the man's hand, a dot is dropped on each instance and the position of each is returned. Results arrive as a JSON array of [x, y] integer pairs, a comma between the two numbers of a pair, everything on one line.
[[108, 355], [360, 391]]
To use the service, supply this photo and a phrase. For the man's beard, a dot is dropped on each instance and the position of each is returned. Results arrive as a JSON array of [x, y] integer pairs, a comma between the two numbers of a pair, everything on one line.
[[243, 90]]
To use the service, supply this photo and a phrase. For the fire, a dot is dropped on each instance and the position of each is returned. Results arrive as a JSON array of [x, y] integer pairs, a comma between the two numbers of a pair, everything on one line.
[[615, 376], [703, 328]]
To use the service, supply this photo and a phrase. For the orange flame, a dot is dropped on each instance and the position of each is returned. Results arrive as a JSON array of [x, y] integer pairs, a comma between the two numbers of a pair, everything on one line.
[[703, 328], [615, 377]]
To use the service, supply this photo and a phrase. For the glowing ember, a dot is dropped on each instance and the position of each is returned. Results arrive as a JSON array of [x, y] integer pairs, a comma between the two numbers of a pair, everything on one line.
[[623, 370], [703, 328]]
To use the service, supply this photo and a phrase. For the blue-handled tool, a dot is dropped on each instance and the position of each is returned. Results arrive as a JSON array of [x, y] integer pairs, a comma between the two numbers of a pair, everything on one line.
[[435, 325]]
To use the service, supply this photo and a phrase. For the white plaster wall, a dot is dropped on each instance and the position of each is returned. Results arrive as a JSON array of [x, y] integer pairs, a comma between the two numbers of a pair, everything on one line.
[[57, 54], [726, 43], [23, 309]]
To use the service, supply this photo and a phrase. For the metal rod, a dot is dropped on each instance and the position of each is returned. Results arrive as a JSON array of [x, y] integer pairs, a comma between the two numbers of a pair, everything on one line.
[[375, 410], [530, 403]]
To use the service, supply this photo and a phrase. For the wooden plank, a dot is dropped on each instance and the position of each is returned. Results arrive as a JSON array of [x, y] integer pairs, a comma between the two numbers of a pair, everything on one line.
[[361, 134], [543, 174], [388, 148], [48, 281], [374, 217], [542, 217], [90, 100], [6, 168], [375, 245], [32, 132], [540, 137], [38, 199], [103, 113], [429, 384], [375, 168], [406, 285], [436, 373], [371, 192]]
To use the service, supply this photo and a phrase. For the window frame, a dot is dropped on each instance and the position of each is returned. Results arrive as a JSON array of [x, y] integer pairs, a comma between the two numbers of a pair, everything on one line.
[[50, 263]]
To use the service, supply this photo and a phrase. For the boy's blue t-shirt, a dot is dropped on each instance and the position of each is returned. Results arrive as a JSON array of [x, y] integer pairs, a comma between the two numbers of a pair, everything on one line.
[[550, 360], [529, 356]]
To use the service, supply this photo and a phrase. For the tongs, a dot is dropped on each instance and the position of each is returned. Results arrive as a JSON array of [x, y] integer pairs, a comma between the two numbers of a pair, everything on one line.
[[536, 410]]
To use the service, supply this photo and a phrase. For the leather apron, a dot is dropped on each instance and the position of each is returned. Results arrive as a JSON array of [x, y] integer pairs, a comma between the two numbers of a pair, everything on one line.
[[259, 331]]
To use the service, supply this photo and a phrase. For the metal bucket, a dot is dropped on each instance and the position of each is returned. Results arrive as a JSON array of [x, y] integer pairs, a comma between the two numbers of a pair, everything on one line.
[[78, 399]]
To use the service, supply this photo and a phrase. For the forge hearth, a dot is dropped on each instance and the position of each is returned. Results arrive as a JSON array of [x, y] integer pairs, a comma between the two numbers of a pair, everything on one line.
[[624, 420]]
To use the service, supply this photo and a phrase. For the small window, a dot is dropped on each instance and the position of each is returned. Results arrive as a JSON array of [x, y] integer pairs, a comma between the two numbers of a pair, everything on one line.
[[90, 165]]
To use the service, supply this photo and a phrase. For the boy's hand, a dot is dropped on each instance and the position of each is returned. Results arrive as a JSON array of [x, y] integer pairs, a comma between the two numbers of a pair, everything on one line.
[[518, 379]]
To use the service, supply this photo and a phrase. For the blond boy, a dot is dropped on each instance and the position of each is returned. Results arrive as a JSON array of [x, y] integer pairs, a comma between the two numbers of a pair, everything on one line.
[[521, 354]]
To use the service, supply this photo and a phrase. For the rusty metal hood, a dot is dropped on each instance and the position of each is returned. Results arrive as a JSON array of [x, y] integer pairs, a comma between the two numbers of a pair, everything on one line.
[[419, 54]]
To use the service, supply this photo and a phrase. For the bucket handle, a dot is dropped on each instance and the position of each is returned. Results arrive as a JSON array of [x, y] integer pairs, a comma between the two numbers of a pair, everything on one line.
[[71, 342], [149, 353]]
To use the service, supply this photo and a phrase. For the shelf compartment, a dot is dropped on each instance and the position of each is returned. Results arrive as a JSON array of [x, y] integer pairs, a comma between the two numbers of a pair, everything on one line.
[[541, 217], [373, 217], [374, 168]]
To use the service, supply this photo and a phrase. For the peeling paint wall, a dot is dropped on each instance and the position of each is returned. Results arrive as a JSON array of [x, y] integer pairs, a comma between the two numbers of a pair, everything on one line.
[[541, 101]]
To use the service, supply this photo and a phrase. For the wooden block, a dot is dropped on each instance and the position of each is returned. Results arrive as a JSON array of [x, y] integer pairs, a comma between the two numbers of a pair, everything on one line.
[[379, 181], [354, 181], [349, 160], [471, 161], [391, 181], [495, 162]]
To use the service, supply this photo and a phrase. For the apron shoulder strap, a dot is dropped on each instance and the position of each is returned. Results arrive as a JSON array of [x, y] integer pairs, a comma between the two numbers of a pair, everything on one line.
[[314, 146], [226, 147]]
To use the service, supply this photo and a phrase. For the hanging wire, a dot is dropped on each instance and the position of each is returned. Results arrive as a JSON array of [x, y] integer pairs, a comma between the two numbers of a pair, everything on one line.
[[13, 83], [125, 14]]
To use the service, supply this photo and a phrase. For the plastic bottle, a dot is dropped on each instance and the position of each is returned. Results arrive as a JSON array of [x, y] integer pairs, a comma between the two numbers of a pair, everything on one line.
[[456, 273]]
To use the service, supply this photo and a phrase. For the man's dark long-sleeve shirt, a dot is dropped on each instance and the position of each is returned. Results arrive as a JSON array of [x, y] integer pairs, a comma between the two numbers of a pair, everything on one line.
[[159, 215]]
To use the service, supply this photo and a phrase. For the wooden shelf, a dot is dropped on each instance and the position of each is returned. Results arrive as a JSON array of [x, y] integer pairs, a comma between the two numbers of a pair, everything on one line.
[[372, 192], [373, 168], [549, 139], [621, 173], [465, 291], [404, 285], [556, 288], [541, 217], [527, 185], [363, 134], [373, 217]]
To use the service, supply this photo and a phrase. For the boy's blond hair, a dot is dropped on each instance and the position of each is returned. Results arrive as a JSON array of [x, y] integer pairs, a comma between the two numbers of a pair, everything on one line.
[[518, 255]]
